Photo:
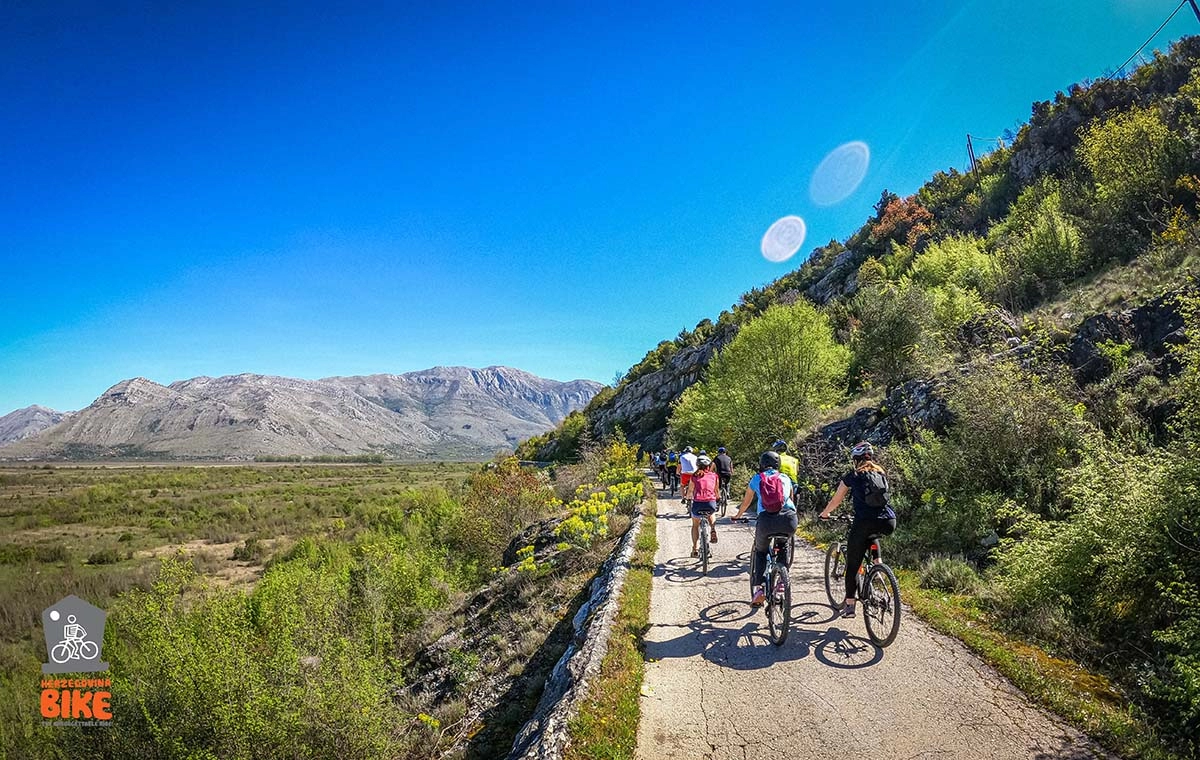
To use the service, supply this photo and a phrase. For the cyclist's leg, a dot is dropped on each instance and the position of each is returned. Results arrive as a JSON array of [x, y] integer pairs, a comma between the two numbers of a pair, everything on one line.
[[856, 547], [788, 522], [695, 532], [759, 564], [712, 525]]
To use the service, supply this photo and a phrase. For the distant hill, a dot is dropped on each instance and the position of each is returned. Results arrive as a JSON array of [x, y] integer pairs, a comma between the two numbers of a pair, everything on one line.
[[444, 412], [26, 422]]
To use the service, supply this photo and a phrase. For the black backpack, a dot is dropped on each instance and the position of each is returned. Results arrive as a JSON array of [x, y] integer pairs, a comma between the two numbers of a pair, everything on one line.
[[875, 489]]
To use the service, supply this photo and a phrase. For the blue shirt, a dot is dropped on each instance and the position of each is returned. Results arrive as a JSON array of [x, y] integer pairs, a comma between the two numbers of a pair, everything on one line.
[[755, 481]]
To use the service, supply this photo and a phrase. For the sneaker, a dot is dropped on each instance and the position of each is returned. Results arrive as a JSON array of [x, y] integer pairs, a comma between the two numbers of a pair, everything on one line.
[[760, 597], [695, 552], [713, 537], [849, 610]]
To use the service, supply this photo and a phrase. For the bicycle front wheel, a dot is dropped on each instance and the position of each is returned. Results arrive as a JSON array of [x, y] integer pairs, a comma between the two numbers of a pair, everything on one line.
[[835, 574], [881, 607], [779, 604]]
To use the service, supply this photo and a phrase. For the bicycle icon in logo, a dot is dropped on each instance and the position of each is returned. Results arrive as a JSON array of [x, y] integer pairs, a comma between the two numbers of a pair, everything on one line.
[[74, 630], [74, 645]]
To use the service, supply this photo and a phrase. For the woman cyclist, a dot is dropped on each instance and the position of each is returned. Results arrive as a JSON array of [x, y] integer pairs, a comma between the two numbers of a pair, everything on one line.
[[873, 515], [701, 488], [776, 515]]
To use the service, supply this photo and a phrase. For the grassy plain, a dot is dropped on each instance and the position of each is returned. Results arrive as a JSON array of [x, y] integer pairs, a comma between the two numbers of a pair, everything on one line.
[[97, 531]]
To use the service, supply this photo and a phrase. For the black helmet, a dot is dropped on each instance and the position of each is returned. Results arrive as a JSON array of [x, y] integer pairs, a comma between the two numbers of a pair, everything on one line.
[[862, 449], [780, 445], [703, 461], [768, 461]]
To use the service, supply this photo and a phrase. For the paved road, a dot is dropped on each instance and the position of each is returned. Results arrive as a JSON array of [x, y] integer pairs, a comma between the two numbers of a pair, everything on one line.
[[717, 688]]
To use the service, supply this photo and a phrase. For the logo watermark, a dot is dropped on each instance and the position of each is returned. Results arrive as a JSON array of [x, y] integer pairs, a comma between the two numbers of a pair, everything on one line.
[[74, 633]]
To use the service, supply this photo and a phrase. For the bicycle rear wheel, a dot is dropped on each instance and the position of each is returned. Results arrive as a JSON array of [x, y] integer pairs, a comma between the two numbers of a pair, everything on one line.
[[835, 574], [704, 547], [881, 607], [779, 604]]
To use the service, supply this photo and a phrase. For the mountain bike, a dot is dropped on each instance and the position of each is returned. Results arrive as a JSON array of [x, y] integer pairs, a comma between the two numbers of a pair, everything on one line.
[[705, 545], [779, 588], [878, 591], [723, 499], [673, 480]]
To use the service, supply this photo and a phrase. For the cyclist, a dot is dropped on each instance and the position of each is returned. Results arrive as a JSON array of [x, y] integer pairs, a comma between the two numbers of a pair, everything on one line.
[[724, 467], [788, 465], [672, 470], [702, 490], [687, 465], [873, 515], [776, 514]]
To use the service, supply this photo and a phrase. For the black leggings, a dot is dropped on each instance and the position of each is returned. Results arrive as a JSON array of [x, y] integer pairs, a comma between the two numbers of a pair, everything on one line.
[[768, 523], [856, 547]]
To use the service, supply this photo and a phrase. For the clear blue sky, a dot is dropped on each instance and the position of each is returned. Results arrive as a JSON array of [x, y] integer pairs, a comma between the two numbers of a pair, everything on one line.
[[316, 189]]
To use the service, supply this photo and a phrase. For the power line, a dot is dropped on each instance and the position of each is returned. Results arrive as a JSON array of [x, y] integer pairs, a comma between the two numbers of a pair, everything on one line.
[[1152, 36]]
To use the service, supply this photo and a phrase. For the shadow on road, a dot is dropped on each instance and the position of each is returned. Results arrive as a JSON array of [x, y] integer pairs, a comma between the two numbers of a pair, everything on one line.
[[687, 569], [734, 635]]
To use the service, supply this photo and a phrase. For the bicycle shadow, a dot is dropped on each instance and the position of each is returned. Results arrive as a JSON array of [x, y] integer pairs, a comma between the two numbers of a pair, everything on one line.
[[687, 569], [734, 635]]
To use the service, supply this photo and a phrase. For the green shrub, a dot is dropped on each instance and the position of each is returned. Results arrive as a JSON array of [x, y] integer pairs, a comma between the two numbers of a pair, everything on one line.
[[250, 550], [107, 556], [893, 341], [950, 574]]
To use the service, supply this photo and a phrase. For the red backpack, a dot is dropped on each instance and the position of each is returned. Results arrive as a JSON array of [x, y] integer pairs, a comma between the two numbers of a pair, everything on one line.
[[770, 492]]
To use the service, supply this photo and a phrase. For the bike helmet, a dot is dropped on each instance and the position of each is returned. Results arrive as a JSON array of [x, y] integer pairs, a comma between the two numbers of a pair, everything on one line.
[[703, 461], [687, 449], [720, 449], [768, 461], [862, 449], [780, 445], [703, 453]]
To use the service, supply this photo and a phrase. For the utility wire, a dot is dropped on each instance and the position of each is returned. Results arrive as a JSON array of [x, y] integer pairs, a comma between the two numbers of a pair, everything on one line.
[[1148, 40]]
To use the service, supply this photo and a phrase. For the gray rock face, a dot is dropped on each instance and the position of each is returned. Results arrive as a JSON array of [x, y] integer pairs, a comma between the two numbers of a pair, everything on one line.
[[841, 279], [437, 413], [1151, 328], [995, 326], [641, 407], [27, 422]]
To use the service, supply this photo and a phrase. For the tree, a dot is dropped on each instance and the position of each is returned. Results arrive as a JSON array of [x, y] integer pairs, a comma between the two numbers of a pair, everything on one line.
[[768, 382], [893, 324], [1134, 159]]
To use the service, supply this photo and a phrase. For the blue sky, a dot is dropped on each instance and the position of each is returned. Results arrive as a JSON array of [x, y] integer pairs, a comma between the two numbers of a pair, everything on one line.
[[319, 189]]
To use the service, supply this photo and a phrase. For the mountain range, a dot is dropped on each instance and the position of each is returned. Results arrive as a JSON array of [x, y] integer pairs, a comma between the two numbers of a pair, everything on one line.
[[439, 413]]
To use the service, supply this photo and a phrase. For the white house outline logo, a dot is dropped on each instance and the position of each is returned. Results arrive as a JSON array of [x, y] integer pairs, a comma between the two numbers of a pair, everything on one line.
[[74, 633]]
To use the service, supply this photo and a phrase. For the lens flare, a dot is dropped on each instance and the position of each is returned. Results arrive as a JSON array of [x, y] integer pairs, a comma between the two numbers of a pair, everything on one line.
[[840, 173], [783, 239]]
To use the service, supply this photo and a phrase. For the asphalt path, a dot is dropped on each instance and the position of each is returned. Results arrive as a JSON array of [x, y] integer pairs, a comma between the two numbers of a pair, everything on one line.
[[716, 687]]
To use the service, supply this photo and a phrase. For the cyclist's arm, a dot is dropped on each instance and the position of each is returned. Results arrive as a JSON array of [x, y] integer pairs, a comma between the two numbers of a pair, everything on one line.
[[747, 500], [836, 501]]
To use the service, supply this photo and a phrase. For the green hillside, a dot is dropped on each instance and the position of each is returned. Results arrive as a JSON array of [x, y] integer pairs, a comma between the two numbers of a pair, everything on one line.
[[1020, 339]]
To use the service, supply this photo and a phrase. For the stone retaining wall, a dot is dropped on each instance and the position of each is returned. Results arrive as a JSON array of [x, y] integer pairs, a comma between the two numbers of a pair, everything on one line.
[[544, 736]]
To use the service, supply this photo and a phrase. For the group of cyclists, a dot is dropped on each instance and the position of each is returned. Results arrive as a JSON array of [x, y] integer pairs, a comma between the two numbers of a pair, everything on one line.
[[773, 492]]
